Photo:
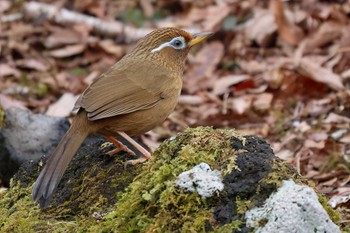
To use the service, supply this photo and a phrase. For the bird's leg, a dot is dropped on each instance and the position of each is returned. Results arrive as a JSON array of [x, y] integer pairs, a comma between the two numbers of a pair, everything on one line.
[[145, 153], [120, 146]]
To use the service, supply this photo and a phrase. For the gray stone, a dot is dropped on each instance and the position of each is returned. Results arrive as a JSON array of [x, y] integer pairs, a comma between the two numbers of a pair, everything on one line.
[[29, 136], [292, 209]]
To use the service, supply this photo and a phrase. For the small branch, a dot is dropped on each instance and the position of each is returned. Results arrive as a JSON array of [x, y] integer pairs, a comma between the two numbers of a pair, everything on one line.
[[11, 17], [35, 10]]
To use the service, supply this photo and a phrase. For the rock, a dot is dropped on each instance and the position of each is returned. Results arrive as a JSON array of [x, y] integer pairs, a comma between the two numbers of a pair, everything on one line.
[[92, 195], [29, 136], [304, 212]]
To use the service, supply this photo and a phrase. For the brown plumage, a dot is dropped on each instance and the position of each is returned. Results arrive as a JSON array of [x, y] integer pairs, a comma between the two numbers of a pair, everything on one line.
[[132, 97]]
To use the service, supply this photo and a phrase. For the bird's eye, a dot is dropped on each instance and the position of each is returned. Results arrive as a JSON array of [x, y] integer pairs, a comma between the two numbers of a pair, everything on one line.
[[177, 43]]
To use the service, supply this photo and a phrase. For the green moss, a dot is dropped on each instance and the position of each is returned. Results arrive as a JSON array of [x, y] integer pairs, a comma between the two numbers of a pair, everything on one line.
[[2, 118], [229, 228], [335, 217], [17, 212], [281, 171], [243, 205], [151, 202], [154, 196]]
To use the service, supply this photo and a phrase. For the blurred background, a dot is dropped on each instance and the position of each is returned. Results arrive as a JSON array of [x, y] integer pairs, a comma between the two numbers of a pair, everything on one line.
[[276, 69]]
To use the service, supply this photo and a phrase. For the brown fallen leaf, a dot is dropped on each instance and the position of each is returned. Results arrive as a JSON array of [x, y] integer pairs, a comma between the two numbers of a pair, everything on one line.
[[200, 75], [6, 70], [261, 130], [62, 37], [326, 33], [261, 27], [214, 17], [318, 136], [7, 101], [191, 99], [320, 74], [68, 51], [313, 144], [285, 154], [63, 107], [262, 101], [345, 139], [335, 118], [34, 64], [222, 84], [242, 104], [110, 47], [340, 198], [5, 5], [287, 30]]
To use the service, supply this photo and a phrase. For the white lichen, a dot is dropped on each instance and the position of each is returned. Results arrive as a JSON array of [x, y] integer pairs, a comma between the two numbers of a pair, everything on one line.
[[201, 179], [293, 208]]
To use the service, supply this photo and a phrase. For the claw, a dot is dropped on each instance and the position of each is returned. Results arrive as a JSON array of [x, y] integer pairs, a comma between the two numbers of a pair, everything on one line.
[[136, 161]]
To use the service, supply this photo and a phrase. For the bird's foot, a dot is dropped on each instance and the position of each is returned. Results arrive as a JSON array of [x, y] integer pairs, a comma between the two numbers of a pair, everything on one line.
[[142, 159], [121, 147]]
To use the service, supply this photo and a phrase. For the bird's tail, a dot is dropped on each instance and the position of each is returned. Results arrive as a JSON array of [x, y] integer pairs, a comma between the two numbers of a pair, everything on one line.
[[57, 163]]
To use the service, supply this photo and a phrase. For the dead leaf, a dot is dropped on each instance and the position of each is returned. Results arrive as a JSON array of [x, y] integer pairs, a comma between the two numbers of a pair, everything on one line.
[[340, 198], [327, 32], [287, 30], [335, 118], [255, 129], [313, 144], [147, 7], [110, 47], [215, 16], [200, 76], [241, 104], [72, 83], [222, 84], [261, 27], [4, 5], [91, 77], [320, 74], [62, 37], [285, 154], [318, 136], [68, 51], [34, 64], [63, 107], [191, 99], [262, 101], [345, 139], [6, 70], [7, 101]]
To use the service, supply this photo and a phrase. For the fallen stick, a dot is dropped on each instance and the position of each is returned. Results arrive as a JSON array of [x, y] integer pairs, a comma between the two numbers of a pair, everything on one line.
[[34, 10]]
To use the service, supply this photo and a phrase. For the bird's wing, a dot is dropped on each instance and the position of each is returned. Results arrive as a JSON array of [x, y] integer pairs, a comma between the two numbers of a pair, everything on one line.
[[119, 92]]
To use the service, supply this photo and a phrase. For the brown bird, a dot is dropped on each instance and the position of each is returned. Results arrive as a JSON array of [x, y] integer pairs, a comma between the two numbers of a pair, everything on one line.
[[132, 97]]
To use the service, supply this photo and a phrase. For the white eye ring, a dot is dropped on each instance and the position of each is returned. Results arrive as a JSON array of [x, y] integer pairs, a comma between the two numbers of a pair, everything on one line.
[[176, 43]]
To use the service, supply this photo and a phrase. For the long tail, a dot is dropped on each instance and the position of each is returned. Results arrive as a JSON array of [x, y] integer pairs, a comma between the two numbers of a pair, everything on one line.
[[57, 163]]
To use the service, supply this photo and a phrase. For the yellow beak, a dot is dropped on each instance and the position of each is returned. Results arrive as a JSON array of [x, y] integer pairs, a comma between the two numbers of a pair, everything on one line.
[[199, 37]]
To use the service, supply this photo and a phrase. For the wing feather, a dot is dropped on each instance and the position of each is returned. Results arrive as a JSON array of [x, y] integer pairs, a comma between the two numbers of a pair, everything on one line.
[[121, 91]]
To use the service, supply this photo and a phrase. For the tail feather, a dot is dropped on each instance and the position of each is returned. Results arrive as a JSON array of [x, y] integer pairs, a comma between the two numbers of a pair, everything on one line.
[[57, 163]]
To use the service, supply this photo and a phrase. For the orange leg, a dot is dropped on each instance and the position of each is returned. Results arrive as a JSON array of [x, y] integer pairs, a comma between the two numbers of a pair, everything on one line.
[[120, 146], [146, 155]]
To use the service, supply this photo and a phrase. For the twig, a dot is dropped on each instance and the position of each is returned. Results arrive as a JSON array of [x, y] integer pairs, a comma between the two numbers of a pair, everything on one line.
[[11, 17], [35, 10]]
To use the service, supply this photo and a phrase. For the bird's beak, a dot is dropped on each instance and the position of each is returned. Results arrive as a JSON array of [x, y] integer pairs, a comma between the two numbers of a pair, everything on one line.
[[199, 37]]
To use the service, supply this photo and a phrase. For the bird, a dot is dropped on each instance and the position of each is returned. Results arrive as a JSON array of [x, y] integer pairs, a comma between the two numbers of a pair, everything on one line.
[[132, 97]]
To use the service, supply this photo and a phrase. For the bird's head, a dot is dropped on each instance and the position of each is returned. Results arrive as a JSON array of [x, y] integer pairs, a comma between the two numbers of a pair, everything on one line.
[[169, 45]]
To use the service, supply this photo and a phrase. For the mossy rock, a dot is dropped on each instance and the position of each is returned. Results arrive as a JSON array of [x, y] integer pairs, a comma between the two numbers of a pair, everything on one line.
[[98, 195]]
